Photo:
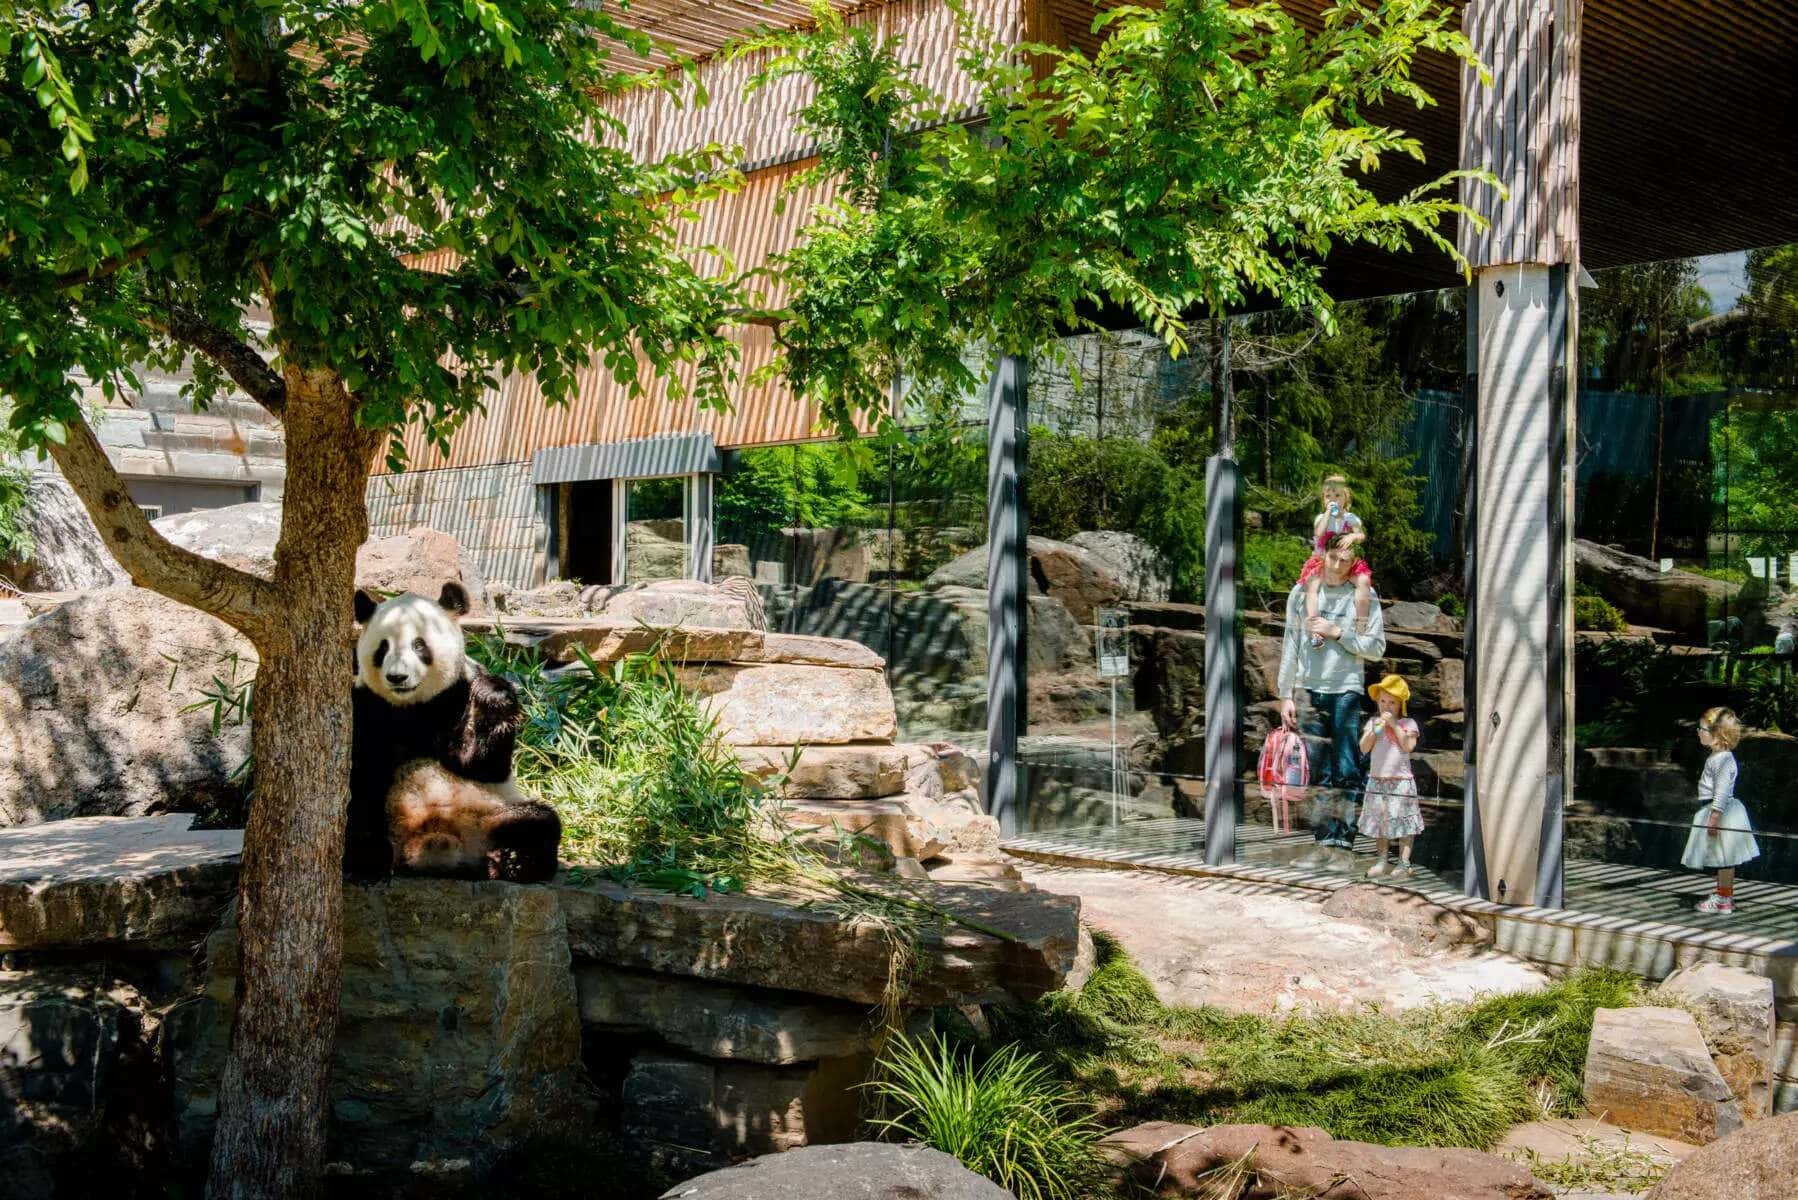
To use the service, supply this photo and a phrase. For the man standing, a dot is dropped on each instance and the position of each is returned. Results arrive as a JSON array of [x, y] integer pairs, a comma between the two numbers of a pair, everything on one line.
[[1331, 674]]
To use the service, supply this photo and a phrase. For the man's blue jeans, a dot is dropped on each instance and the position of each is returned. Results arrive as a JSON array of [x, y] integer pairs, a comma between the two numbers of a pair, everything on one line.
[[1335, 718]]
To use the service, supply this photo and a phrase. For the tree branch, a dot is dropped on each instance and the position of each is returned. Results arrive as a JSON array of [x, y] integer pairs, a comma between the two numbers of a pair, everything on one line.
[[240, 361], [244, 601], [112, 266]]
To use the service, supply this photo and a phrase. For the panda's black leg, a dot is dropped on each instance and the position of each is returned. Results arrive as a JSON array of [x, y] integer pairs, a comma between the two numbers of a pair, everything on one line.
[[522, 844]]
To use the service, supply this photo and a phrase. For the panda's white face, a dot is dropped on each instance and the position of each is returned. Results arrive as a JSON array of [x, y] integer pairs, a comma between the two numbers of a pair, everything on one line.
[[410, 650]]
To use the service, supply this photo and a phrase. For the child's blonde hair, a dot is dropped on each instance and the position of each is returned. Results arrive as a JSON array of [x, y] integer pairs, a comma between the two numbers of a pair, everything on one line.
[[1340, 483], [1725, 727]]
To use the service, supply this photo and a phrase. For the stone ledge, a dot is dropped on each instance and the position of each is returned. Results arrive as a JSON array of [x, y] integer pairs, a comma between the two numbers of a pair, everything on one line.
[[151, 881], [559, 639], [769, 943]]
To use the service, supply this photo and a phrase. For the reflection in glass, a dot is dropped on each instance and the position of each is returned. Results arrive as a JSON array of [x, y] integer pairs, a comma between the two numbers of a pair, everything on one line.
[[655, 529], [1685, 527], [1116, 495]]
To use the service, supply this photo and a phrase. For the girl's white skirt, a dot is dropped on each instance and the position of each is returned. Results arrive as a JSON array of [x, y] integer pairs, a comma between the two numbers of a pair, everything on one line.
[[1733, 845]]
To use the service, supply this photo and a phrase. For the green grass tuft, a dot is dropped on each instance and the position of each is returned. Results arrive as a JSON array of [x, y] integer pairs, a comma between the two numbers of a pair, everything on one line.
[[1452, 1075], [1005, 1117]]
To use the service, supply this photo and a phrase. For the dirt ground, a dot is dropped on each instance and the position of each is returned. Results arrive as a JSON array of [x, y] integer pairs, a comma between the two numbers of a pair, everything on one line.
[[1259, 948]]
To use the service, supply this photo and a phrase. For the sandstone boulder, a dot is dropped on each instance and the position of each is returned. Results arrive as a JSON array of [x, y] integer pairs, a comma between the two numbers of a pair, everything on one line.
[[92, 700], [1677, 600], [732, 1108], [1736, 1015], [731, 604], [68, 554], [837, 552], [1282, 1161], [1419, 925], [1138, 567], [1649, 1069], [1760, 1161], [562, 640], [859, 1171], [1080, 579], [771, 704], [76, 1045], [113, 881], [244, 536], [459, 1035], [715, 1021], [1409, 615], [866, 772]]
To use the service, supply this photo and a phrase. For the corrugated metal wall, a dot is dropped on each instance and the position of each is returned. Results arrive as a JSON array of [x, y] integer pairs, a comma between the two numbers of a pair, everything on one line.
[[517, 422]]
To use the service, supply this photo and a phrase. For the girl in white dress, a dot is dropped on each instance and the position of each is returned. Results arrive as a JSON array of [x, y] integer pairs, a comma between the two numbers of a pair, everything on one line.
[[1721, 839], [1389, 808]]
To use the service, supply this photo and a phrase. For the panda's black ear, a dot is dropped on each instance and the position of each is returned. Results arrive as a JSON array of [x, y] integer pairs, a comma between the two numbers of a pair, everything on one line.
[[365, 607], [454, 598]]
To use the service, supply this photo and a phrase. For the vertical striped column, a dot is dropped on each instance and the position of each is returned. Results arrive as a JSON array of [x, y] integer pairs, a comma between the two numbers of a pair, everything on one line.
[[1008, 588], [1524, 128]]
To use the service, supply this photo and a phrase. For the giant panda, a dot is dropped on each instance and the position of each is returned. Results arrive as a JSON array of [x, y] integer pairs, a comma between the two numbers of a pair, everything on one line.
[[431, 789]]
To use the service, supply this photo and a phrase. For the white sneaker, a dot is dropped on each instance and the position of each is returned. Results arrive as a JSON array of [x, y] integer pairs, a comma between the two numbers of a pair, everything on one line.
[[1716, 905], [1400, 871], [1382, 867]]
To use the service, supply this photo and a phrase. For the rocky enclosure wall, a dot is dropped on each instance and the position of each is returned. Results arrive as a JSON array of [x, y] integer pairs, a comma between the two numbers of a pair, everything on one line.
[[479, 1020]]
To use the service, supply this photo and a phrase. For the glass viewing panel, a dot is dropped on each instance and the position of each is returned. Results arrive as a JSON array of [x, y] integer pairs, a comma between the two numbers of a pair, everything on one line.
[[1686, 593], [655, 529], [1116, 492], [881, 541]]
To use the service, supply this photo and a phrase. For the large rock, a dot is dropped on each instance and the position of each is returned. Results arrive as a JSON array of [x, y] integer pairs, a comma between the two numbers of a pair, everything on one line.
[[244, 536], [859, 1171], [830, 772], [1677, 600], [1080, 579], [92, 695], [1415, 615], [1138, 567], [767, 704], [459, 1034], [1280, 1161], [1736, 1015], [717, 1021], [1757, 1163], [78, 1072], [68, 554], [836, 552], [1419, 925], [1648, 1069], [731, 604], [758, 941], [732, 1108], [111, 881], [562, 640]]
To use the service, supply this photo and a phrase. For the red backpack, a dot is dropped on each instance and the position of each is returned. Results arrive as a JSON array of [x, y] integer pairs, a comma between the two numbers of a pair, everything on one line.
[[1284, 772]]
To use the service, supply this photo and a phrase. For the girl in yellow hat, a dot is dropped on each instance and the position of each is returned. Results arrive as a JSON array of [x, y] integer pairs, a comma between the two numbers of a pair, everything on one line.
[[1389, 810]]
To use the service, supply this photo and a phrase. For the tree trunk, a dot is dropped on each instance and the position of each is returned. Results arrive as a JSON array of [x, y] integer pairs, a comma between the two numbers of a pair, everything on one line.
[[270, 1139]]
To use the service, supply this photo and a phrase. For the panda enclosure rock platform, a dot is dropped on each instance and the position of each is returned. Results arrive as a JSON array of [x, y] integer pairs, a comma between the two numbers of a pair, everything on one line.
[[471, 1011]]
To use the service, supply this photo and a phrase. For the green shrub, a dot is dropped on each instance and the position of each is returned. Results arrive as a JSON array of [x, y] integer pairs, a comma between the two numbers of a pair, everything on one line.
[[1080, 483], [1558, 1022], [1452, 604], [1006, 1118], [1595, 612], [633, 764], [1271, 563]]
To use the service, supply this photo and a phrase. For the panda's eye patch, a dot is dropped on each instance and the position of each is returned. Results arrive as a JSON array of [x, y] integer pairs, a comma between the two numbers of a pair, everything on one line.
[[422, 650], [380, 652]]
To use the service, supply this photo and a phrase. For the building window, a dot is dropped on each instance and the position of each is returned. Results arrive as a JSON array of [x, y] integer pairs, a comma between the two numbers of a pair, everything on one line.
[[656, 524]]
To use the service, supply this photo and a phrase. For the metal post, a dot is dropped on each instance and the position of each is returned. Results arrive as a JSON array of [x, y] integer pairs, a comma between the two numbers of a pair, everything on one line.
[[1223, 657], [1473, 846], [1007, 581]]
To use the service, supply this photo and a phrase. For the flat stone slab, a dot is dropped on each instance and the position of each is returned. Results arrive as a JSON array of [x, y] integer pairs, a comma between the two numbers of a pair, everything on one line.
[[98, 880], [866, 772], [889, 822], [1648, 1069], [785, 945], [772, 704], [561, 639]]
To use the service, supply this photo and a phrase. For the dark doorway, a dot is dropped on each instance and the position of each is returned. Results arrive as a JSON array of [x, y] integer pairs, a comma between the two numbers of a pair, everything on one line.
[[589, 558]]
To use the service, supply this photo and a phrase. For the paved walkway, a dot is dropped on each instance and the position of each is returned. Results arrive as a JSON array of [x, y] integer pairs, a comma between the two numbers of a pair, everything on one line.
[[1248, 946], [1607, 889]]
